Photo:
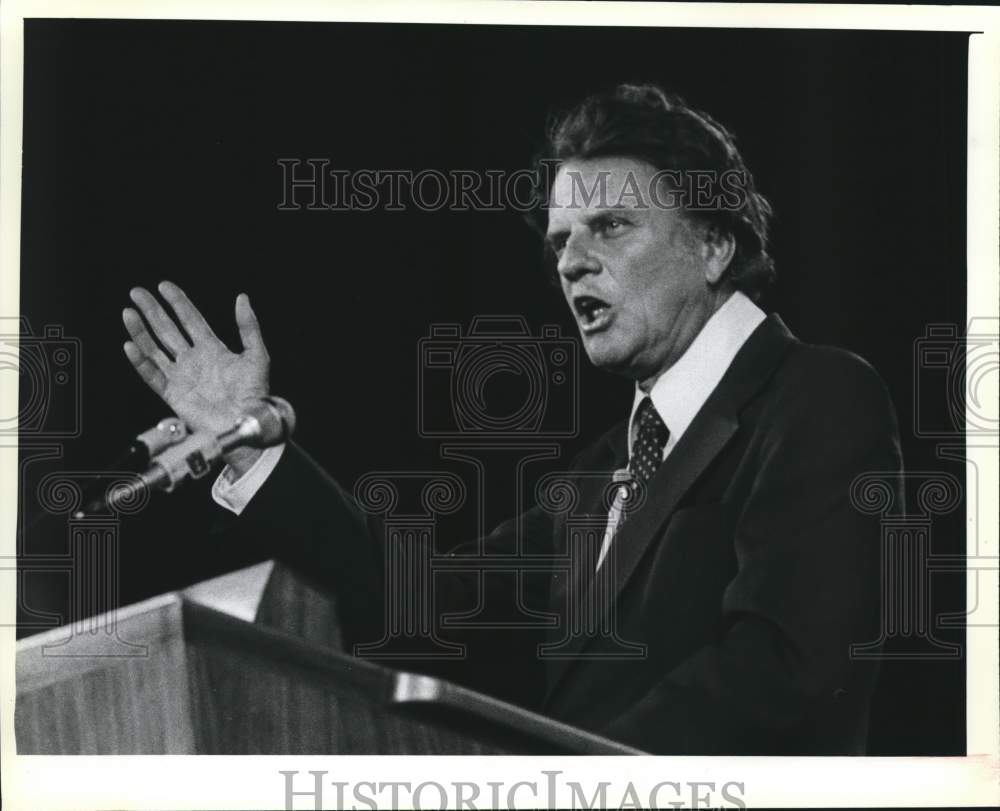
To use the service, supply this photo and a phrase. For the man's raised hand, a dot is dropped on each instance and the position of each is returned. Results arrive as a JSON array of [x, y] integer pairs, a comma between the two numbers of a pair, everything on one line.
[[207, 385]]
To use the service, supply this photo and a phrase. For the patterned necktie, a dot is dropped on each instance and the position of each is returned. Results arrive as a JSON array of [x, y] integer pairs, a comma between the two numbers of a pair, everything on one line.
[[651, 437], [647, 449]]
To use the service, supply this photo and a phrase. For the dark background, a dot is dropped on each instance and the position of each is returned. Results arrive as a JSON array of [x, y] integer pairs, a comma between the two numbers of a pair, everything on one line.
[[150, 152]]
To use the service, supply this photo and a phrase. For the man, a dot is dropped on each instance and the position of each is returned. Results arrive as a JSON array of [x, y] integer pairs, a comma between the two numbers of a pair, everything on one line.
[[734, 573]]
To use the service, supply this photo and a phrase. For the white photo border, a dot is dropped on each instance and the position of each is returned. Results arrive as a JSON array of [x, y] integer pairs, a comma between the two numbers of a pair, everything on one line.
[[205, 782]]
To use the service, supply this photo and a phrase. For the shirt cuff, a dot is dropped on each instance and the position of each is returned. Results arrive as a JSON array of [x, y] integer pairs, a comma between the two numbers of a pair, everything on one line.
[[235, 495]]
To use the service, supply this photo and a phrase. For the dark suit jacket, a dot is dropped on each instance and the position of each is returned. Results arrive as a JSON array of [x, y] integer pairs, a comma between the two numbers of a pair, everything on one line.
[[724, 620]]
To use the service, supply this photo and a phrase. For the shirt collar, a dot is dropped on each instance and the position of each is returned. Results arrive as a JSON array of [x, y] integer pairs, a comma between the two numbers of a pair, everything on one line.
[[681, 391]]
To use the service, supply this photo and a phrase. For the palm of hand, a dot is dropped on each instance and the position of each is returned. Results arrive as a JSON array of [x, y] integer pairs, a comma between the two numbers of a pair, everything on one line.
[[201, 379], [208, 385]]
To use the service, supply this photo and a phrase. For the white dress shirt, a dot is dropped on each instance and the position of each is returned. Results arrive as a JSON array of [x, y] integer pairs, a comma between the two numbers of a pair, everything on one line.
[[680, 392], [678, 395], [234, 494]]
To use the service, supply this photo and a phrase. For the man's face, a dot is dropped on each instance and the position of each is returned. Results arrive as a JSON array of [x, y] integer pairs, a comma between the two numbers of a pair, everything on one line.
[[636, 274]]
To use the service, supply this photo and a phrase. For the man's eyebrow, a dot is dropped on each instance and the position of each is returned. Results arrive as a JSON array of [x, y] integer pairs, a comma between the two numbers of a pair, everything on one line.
[[589, 219]]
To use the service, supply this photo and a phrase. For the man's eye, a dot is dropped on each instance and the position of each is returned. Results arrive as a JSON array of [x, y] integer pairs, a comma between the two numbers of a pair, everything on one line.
[[612, 224]]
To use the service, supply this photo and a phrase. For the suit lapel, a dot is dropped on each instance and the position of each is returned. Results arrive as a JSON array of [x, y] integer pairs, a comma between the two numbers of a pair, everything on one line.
[[709, 433], [591, 480]]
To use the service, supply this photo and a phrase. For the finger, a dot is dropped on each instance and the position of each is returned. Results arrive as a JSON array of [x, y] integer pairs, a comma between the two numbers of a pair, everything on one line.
[[246, 320], [147, 370], [143, 340], [191, 319], [163, 325]]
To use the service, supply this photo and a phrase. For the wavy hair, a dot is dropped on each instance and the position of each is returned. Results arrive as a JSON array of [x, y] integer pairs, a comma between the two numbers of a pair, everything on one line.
[[645, 123]]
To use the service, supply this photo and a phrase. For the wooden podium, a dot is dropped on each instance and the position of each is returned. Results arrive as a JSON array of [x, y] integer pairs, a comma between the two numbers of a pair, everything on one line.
[[236, 665]]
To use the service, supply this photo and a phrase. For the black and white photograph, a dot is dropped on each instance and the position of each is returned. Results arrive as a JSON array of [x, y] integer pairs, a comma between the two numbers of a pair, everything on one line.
[[556, 380]]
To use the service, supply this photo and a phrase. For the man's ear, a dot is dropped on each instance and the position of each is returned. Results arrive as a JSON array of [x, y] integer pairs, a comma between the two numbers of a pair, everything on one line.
[[718, 248]]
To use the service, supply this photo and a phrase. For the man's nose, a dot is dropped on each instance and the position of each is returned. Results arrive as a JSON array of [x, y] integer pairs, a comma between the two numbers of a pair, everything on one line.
[[577, 259]]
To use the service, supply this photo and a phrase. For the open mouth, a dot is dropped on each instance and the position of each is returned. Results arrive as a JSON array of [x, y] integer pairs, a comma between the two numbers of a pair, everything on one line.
[[592, 312]]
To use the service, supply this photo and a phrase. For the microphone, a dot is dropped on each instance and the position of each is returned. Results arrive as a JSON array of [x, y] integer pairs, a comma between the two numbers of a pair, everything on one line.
[[269, 422], [154, 441], [167, 432]]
